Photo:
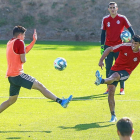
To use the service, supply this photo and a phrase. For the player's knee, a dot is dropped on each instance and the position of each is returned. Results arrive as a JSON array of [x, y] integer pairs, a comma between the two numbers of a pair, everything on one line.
[[116, 76], [12, 100]]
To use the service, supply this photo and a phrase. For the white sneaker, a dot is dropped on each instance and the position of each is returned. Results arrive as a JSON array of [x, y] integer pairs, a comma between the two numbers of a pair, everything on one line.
[[122, 91]]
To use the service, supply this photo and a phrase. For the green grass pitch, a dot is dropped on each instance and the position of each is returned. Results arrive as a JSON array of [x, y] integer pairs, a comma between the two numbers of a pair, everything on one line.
[[33, 117]]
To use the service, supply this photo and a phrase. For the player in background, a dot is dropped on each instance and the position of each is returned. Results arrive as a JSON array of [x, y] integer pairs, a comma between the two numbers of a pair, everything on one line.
[[16, 57], [127, 61], [125, 128], [112, 26]]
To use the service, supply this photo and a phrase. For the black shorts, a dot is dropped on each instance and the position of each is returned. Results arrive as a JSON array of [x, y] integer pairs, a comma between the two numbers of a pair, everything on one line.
[[22, 80], [124, 75]]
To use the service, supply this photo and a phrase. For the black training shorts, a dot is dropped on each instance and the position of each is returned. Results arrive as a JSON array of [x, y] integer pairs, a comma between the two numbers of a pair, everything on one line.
[[22, 80], [124, 75]]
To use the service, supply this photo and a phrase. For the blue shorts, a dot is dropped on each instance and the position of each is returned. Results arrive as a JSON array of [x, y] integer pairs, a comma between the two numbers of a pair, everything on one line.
[[124, 75], [22, 80]]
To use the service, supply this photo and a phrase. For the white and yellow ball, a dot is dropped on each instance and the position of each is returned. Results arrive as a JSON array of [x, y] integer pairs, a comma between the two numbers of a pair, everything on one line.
[[125, 36], [60, 63]]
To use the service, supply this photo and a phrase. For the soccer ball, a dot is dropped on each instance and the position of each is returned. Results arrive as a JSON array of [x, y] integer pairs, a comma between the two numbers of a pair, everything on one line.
[[60, 63], [125, 36]]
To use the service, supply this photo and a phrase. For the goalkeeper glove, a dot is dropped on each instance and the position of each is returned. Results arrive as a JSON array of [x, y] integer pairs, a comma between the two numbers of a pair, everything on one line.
[[102, 50]]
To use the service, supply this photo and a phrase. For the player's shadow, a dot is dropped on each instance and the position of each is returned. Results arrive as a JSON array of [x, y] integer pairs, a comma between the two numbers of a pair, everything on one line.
[[86, 126], [25, 131], [86, 98], [13, 138], [91, 97]]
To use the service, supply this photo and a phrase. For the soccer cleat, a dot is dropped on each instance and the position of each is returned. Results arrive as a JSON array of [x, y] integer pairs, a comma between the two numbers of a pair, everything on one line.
[[122, 91], [98, 78], [65, 102], [106, 92], [113, 118]]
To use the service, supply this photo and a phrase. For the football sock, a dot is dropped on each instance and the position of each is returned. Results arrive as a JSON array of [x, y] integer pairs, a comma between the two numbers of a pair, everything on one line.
[[102, 81], [113, 113], [58, 100]]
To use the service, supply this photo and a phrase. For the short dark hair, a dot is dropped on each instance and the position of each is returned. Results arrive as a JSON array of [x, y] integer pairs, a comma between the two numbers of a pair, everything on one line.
[[125, 126], [113, 3], [18, 30], [136, 38]]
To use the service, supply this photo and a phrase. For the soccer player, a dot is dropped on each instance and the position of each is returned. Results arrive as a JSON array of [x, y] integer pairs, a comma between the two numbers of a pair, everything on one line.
[[127, 61], [112, 26], [125, 129], [16, 57]]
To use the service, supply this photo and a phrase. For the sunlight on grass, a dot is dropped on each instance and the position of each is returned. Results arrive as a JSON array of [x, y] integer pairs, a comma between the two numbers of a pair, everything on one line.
[[87, 116]]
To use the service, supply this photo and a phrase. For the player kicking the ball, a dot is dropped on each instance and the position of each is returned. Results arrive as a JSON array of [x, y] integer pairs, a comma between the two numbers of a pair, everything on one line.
[[128, 59], [15, 53], [112, 26]]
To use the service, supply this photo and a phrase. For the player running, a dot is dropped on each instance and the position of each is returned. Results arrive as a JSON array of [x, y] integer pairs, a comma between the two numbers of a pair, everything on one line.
[[127, 61], [15, 53], [112, 26]]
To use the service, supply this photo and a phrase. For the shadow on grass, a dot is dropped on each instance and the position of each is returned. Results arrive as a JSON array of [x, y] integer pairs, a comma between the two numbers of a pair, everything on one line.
[[64, 45], [86, 98], [80, 127], [58, 45], [24, 131], [14, 138], [91, 97]]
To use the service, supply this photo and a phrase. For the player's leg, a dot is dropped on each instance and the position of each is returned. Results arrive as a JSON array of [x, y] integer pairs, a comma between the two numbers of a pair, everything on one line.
[[9, 102], [48, 94], [13, 91], [108, 63], [30, 82], [114, 77], [111, 102], [122, 88], [121, 82], [39, 86], [111, 99]]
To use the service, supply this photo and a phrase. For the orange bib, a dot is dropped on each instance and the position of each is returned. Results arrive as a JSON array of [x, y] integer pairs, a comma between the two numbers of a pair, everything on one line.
[[15, 66]]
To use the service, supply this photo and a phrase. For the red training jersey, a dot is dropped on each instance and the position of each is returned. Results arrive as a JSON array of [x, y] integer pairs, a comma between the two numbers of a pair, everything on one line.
[[127, 59], [114, 27]]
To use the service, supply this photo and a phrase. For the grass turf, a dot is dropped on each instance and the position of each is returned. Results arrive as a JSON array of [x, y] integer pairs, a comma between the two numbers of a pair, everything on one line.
[[87, 116]]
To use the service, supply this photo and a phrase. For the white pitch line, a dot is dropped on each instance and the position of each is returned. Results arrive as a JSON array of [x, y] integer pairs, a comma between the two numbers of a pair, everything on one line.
[[72, 99], [28, 97]]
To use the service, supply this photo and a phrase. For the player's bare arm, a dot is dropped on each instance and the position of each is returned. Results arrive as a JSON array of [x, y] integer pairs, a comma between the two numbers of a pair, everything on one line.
[[29, 47], [23, 58], [105, 54]]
